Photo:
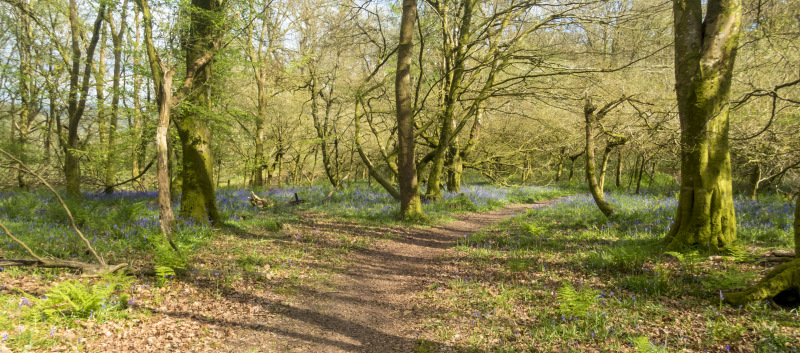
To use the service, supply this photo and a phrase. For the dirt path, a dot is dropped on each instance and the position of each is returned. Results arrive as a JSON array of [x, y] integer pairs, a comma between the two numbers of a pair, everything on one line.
[[369, 309]]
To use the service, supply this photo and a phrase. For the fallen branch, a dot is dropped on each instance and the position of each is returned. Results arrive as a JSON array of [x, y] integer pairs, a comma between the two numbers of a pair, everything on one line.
[[24, 168], [335, 188], [259, 202], [109, 188], [84, 267]]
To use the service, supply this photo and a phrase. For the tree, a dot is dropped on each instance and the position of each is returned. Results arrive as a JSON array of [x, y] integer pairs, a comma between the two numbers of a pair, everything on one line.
[[705, 49], [410, 202], [593, 116], [198, 198], [77, 95], [162, 81]]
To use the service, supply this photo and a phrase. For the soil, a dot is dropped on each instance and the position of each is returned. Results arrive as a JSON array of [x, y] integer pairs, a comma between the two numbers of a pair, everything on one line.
[[369, 307]]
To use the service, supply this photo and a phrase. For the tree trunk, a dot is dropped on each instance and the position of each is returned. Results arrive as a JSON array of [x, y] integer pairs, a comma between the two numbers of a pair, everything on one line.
[[572, 165], [560, 165], [755, 180], [641, 173], [705, 50], [77, 95], [592, 116], [258, 177], [603, 163], [783, 278], [619, 169], [198, 199], [455, 167], [138, 117], [410, 203], [117, 39], [25, 79], [165, 214]]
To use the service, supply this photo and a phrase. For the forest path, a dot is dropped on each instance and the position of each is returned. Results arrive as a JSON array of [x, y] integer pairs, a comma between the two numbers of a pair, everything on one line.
[[370, 307]]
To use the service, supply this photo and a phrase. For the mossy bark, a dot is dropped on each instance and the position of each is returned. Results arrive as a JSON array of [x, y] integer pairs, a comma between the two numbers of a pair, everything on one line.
[[410, 203], [560, 164], [455, 167], [592, 115], [198, 200], [705, 50], [782, 278], [618, 180], [797, 226], [755, 180]]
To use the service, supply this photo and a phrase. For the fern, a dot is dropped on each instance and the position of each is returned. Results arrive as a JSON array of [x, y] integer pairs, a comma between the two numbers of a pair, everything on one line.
[[690, 257], [162, 273], [576, 303], [643, 344], [75, 299]]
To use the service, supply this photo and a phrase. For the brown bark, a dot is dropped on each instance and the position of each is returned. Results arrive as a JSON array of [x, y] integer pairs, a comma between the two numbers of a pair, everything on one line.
[[77, 95], [117, 37], [410, 203]]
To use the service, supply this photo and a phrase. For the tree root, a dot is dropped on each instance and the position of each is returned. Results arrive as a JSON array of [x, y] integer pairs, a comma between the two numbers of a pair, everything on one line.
[[783, 278], [84, 267]]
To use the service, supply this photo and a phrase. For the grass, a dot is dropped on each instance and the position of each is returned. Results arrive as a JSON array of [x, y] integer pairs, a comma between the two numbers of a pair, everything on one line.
[[564, 278]]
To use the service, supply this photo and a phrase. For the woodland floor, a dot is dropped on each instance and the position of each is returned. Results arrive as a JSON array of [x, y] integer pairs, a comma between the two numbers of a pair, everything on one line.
[[369, 308], [366, 300], [304, 280]]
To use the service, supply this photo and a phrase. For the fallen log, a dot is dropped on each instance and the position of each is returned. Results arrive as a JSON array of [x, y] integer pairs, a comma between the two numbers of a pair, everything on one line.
[[84, 267], [296, 200], [259, 202]]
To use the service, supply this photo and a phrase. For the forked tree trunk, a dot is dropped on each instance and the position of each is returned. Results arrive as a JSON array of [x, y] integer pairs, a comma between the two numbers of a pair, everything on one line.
[[592, 116], [705, 50], [410, 203]]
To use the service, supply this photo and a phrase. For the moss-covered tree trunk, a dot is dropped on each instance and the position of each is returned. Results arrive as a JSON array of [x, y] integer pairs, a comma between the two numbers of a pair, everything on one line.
[[797, 226], [592, 116], [572, 159], [455, 167], [640, 174], [198, 200], [410, 203], [560, 163], [755, 180], [618, 181], [705, 50]]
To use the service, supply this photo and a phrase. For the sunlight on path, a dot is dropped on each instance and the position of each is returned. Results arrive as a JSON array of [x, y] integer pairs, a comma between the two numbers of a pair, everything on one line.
[[369, 308]]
